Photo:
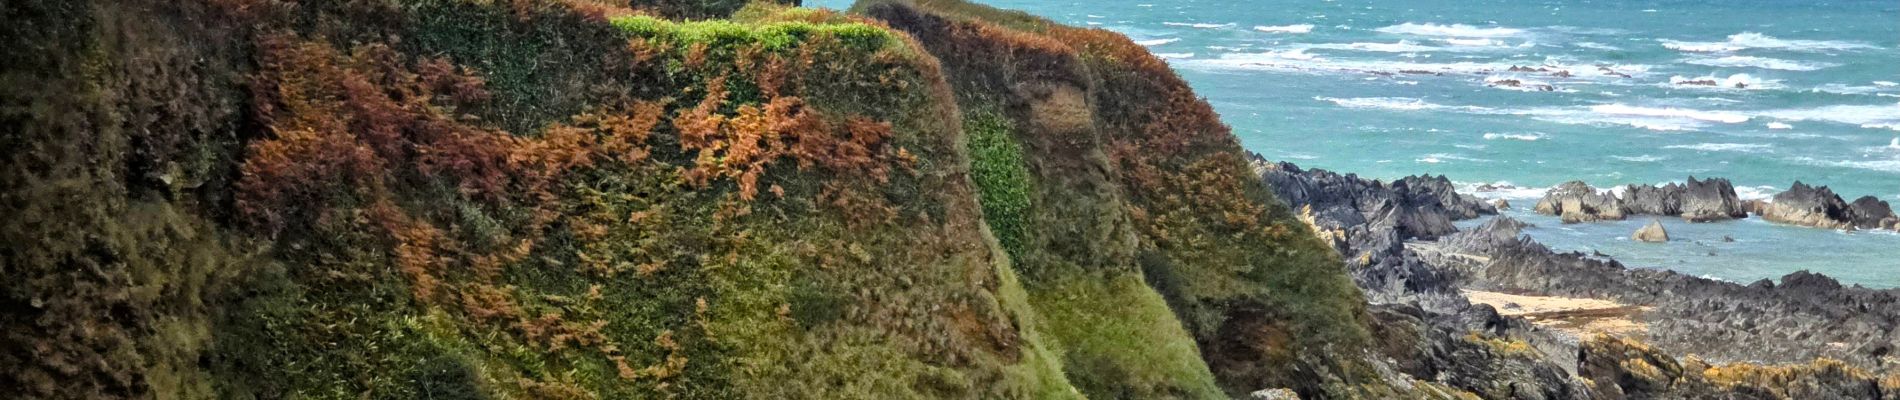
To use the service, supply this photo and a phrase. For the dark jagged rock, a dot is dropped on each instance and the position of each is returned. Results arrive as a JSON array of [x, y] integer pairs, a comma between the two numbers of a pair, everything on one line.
[[1818, 206], [1420, 207], [1697, 201], [1424, 324], [1576, 201], [1368, 222], [1713, 199], [1493, 364], [1624, 369], [1871, 213]]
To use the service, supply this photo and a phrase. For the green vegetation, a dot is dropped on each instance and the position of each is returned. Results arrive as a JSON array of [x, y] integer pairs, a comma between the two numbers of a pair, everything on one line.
[[577, 199], [1003, 183]]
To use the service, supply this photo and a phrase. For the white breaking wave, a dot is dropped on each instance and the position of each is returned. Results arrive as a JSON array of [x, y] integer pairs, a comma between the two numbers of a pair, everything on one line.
[[1736, 81], [1198, 25], [1752, 40], [1174, 56], [1300, 28], [1294, 58], [1436, 158], [1867, 116], [1453, 30], [1886, 83], [1728, 147], [1761, 62], [1889, 165], [1394, 103], [1670, 112], [1401, 47], [1473, 42], [1528, 137], [1156, 42], [1779, 125], [1641, 158], [1596, 46], [1500, 190], [1756, 192]]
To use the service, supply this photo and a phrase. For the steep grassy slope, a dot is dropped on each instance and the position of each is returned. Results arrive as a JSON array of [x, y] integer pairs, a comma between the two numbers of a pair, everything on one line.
[[577, 199], [466, 199], [1129, 173]]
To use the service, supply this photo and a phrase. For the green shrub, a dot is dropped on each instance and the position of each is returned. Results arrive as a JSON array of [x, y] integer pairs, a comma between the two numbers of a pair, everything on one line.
[[1003, 183]]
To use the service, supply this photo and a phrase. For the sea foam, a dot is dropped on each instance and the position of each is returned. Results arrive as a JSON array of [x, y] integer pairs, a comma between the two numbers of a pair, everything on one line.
[[1198, 25], [1299, 28], [1752, 40], [1727, 147], [1761, 62], [1156, 42], [1452, 30]]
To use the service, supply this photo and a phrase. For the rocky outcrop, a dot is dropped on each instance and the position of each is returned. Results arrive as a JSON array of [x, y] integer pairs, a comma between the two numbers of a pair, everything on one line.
[[1624, 369], [1416, 206], [1576, 201], [1423, 324], [1804, 317], [1818, 206], [1368, 222], [1653, 233], [1872, 213], [1713, 199], [1697, 201]]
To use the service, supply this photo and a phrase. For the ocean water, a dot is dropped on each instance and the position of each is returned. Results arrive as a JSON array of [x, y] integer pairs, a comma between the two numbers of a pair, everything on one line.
[[1536, 93]]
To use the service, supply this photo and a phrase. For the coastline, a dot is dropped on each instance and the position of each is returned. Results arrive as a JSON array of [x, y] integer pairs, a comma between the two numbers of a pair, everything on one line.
[[1589, 305]]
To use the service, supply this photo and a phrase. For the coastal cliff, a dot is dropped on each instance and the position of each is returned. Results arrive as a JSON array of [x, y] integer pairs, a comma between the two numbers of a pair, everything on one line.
[[588, 199]]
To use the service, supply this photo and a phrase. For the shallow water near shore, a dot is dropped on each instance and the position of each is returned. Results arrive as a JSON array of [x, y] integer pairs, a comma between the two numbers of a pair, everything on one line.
[[1609, 92]]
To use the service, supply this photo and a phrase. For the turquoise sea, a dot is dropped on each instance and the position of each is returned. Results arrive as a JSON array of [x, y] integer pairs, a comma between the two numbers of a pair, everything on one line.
[[1534, 93]]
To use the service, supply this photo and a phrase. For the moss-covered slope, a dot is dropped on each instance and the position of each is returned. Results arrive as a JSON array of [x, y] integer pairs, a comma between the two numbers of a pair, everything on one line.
[[1133, 178], [582, 199]]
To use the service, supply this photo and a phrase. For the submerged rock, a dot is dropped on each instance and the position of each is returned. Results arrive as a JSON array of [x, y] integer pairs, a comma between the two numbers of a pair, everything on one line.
[[1501, 204], [1653, 233]]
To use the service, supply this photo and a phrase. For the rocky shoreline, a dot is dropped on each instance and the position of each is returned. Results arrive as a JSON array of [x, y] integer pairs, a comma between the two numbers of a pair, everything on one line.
[[1714, 199], [1827, 340]]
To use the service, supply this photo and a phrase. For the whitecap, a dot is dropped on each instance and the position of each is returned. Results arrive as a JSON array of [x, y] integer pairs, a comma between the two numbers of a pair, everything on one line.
[[1596, 46], [1641, 158], [1866, 116], [1299, 28], [1527, 137], [1725, 147], [1669, 112], [1756, 192], [1885, 83], [1156, 42], [1735, 81], [1752, 40], [1761, 62], [1779, 125], [1401, 47], [1389, 103], [1889, 165], [1198, 25], [1435, 158], [1453, 30], [1472, 42], [1174, 56]]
